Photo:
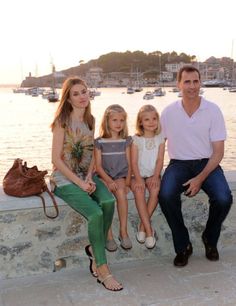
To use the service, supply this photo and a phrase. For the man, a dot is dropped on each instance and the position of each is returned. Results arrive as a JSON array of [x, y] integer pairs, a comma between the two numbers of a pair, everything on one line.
[[195, 132]]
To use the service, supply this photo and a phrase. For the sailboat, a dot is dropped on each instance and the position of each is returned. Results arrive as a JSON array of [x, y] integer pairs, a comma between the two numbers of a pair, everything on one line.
[[232, 88], [52, 94], [160, 91], [137, 84], [130, 88]]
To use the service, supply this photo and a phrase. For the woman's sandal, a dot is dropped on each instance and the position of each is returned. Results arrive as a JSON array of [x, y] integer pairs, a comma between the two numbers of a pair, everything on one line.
[[102, 281], [91, 260]]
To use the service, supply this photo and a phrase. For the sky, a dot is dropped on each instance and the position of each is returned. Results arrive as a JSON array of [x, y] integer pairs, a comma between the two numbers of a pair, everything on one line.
[[36, 33]]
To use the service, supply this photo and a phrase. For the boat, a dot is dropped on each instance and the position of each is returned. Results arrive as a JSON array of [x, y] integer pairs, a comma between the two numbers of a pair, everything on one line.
[[232, 89], [175, 89], [35, 91], [159, 92], [148, 95], [130, 90], [214, 83], [93, 92], [137, 83], [52, 95], [138, 88], [32, 91], [19, 90]]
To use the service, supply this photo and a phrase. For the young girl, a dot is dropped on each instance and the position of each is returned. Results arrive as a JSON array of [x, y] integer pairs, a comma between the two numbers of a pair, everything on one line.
[[147, 155], [112, 156], [72, 157]]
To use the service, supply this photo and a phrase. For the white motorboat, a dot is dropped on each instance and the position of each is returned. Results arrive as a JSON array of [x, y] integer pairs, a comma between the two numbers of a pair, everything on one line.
[[148, 95], [159, 92], [93, 93], [130, 90], [232, 89], [175, 89], [19, 90]]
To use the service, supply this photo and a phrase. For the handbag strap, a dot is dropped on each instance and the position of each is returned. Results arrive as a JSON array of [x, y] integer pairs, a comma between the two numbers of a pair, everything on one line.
[[53, 200]]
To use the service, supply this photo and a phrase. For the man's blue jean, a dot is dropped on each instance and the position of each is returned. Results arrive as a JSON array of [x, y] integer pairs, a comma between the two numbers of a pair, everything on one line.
[[215, 186]]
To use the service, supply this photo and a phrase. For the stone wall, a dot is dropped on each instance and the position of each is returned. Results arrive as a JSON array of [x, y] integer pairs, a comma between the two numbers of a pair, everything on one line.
[[30, 243]]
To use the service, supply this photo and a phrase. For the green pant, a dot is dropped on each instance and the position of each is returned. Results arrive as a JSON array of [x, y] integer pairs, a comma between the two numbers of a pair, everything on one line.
[[97, 208]]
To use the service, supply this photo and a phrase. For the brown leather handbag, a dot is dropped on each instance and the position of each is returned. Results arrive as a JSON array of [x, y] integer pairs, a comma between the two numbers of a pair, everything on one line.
[[21, 181]]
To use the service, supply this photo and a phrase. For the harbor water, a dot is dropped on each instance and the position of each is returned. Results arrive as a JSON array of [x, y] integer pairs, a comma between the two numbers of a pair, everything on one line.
[[25, 122]]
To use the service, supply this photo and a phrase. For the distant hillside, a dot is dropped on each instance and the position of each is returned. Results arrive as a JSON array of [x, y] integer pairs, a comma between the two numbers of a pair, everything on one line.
[[151, 63]]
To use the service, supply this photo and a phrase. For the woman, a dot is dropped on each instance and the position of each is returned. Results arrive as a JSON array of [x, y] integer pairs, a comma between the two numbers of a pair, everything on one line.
[[73, 161]]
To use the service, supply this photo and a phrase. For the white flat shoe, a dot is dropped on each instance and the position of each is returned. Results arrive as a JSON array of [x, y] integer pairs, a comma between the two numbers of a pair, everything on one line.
[[140, 236], [150, 242]]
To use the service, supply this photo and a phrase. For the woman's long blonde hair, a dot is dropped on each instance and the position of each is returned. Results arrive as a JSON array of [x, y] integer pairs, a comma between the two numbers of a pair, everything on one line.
[[62, 115], [139, 126], [104, 131]]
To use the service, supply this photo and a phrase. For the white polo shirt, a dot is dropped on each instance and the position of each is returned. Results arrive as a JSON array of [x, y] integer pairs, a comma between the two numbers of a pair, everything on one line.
[[191, 137]]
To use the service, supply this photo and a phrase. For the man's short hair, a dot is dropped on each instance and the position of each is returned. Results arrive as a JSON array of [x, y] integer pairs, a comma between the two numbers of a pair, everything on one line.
[[187, 68]]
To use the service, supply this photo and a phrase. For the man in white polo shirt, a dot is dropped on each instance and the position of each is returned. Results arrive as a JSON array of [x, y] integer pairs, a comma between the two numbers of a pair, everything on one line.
[[195, 132]]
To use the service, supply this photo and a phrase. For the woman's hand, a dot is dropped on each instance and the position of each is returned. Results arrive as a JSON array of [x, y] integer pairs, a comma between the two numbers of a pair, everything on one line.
[[89, 180], [87, 186]]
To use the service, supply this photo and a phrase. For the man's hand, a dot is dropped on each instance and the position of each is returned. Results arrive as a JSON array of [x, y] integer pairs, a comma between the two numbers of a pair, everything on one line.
[[192, 186]]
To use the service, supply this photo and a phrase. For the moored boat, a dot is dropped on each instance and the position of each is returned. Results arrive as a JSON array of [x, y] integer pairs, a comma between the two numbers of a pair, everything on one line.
[[93, 93], [148, 95], [159, 92], [232, 89], [19, 90], [130, 90], [52, 96]]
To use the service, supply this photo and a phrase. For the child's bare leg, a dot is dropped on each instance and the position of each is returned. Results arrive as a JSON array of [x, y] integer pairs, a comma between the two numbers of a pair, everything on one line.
[[122, 207], [152, 200], [109, 234], [141, 205]]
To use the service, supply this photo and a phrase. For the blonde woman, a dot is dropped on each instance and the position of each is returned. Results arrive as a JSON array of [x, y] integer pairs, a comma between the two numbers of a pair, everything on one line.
[[147, 155]]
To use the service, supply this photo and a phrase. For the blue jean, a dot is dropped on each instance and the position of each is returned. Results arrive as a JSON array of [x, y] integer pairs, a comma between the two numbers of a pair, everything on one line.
[[215, 186]]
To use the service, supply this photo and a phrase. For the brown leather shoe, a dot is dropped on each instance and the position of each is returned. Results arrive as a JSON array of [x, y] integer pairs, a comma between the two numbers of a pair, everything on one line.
[[181, 258], [211, 252]]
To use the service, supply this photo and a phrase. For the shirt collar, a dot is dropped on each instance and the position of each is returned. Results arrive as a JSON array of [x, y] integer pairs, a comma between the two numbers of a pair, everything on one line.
[[203, 104]]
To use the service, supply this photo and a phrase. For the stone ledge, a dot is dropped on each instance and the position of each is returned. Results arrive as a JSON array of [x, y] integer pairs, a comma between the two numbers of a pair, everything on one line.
[[14, 203], [30, 243]]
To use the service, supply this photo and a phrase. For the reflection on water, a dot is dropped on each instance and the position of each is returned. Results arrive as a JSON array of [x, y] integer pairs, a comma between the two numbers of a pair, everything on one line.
[[25, 122]]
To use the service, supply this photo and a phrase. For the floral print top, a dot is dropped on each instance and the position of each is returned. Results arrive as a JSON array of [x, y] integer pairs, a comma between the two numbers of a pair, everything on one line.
[[77, 153]]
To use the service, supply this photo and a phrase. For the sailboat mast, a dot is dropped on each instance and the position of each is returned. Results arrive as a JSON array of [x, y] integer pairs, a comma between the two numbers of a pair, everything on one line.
[[232, 56]]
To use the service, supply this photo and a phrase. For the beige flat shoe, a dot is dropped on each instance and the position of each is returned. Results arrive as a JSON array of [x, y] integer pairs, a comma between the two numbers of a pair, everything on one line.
[[125, 243], [111, 245]]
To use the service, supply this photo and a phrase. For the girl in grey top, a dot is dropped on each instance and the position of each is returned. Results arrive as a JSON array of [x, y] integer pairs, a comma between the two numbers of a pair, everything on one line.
[[112, 157]]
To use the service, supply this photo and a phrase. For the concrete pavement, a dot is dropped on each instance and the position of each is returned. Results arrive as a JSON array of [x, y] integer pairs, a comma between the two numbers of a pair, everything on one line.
[[146, 283]]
